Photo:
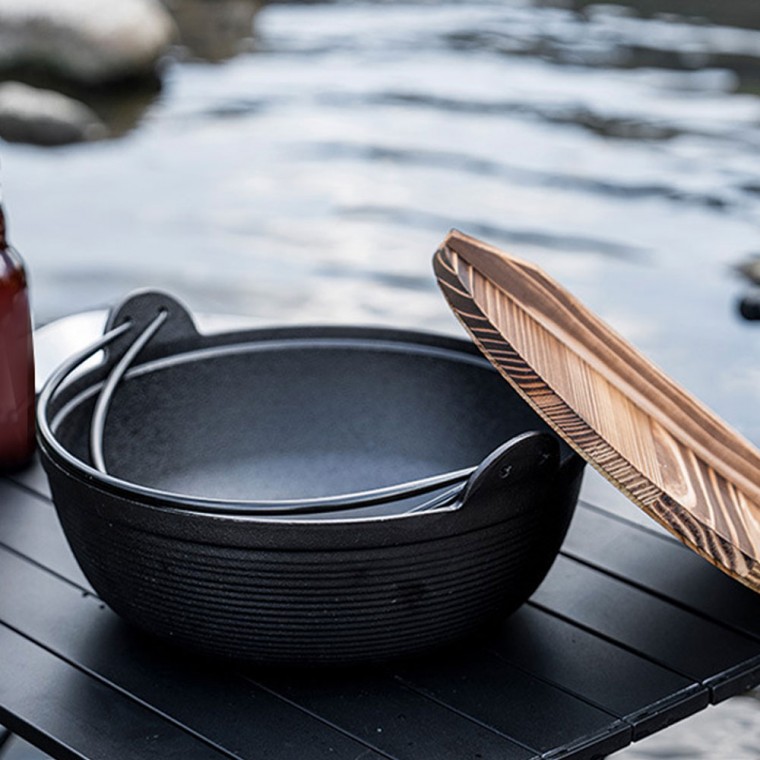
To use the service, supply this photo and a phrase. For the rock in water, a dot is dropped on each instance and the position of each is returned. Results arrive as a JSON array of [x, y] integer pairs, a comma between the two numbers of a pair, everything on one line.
[[91, 42], [214, 31], [43, 117], [750, 268]]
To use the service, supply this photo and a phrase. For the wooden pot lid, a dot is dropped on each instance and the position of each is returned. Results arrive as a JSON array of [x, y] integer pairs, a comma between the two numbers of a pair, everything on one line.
[[667, 452]]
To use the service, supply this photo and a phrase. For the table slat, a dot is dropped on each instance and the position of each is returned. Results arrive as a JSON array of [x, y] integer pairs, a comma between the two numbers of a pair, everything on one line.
[[513, 702], [72, 716], [675, 638], [384, 713], [29, 526], [33, 478], [594, 669], [662, 567]]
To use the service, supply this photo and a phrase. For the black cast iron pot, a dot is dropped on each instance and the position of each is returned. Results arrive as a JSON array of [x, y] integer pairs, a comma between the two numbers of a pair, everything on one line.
[[301, 495]]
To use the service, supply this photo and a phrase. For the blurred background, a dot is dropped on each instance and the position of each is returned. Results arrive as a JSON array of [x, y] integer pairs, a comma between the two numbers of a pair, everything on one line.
[[301, 161]]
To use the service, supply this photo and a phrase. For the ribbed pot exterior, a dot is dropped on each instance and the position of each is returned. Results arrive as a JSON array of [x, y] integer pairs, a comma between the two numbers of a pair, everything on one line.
[[319, 594]]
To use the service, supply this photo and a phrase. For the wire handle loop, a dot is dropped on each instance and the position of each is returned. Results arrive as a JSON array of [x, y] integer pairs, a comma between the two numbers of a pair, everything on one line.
[[103, 404]]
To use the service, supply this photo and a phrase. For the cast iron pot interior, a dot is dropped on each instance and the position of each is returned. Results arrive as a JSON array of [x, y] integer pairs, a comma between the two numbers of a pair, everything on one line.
[[203, 429]]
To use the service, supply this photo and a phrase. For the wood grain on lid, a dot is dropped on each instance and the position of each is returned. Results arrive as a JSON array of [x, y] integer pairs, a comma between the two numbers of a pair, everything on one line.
[[671, 455]]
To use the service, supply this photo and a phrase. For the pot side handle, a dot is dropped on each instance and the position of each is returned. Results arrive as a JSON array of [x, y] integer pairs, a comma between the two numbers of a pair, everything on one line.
[[140, 308], [531, 455]]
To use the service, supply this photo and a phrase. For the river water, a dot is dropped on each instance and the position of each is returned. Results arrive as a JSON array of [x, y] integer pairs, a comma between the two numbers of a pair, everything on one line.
[[308, 171]]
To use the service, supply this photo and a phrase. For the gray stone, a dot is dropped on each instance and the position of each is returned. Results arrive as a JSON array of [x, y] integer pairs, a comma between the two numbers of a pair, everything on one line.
[[88, 41], [44, 117], [214, 30]]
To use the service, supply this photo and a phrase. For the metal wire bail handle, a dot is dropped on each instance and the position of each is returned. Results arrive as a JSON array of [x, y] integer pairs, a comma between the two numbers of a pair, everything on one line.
[[453, 481], [103, 403], [62, 373]]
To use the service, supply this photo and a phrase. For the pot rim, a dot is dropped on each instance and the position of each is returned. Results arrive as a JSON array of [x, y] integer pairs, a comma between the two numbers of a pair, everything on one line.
[[260, 339]]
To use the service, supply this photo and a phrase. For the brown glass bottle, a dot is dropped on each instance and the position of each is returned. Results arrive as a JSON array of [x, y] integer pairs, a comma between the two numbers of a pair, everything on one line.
[[16, 360]]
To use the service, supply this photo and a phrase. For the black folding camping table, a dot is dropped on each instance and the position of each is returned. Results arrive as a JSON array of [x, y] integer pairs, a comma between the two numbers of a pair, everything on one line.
[[629, 632]]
